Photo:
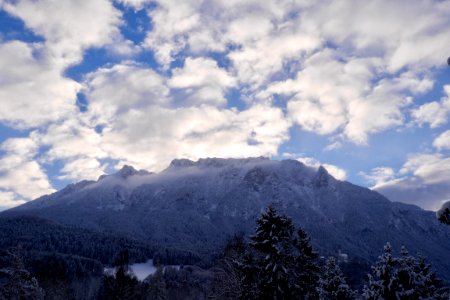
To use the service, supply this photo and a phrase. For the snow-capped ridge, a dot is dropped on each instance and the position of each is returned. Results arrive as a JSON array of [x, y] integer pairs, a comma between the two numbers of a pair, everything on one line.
[[214, 162], [125, 172], [322, 177]]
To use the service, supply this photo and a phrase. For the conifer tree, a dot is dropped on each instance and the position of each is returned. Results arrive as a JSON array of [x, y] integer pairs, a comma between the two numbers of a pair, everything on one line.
[[21, 285], [157, 286], [306, 271], [382, 279], [124, 285], [403, 277], [332, 284], [229, 276], [273, 243], [444, 213]]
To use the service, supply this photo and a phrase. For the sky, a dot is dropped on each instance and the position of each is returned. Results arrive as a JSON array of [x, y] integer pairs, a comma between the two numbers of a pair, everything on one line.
[[360, 87]]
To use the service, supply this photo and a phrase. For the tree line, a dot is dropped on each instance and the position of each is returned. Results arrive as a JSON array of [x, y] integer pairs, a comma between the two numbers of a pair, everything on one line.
[[276, 262]]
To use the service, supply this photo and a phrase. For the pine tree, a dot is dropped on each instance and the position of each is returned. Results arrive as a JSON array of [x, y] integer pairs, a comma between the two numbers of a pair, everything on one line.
[[426, 283], [273, 242], [306, 270], [21, 285], [124, 285], [332, 284], [403, 277], [444, 215], [249, 268], [157, 286], [382, 280], [229, 276]]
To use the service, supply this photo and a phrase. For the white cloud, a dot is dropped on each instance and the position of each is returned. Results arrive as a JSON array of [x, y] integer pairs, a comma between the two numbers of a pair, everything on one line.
[[431, 168], [335, 171], [442, 141], [82, 169], [434, 113], [424, 181], [9, 199], [330, 95], [122, 87], [172, 21], [21, 176], [202, 81], [33, 92], [33, 86], [137, 4], [69, 26], [71, 139], [151, 138], [379, 176], [261, 34], [418, 38]]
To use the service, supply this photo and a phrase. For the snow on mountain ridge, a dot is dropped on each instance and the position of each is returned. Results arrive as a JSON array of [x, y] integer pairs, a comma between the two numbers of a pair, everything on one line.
[[214, 162]]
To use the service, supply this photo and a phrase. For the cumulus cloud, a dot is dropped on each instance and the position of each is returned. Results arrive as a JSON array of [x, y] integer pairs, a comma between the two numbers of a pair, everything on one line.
[[82, 169], [137, 4], [33, 92], [261, 34], [329, 96], [423, 180], [144, 124], [21, 176], [434, 113], [374, 28], [379, 176], [443, 140], [201, 81], [335, 171], [432, 168], [117, 89], [150, 138], [33, 85], [70, 26]]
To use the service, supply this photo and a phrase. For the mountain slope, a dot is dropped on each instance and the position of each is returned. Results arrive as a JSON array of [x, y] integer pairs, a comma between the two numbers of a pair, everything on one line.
[[196, 205]]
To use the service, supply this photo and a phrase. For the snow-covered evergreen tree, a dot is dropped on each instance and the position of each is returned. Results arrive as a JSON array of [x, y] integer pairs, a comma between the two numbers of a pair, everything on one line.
[[273, 243], [305, 269], [332, 284], [382, 280], [21, 285], [403, 277], [281, 265]]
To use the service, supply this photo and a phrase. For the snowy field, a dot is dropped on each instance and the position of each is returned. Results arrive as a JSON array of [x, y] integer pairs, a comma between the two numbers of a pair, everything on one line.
[[142, 270]]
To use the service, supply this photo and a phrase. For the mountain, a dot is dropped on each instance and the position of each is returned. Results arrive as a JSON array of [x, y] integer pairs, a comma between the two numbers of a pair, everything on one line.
[[196, 205]]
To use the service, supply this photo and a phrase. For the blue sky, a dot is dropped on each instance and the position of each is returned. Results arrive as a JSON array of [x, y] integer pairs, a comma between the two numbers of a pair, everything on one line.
[[360, 87]]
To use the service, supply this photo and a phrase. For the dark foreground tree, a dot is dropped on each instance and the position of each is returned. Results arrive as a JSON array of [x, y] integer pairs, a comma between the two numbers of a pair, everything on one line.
[[403, 277], [156, 286], [20, 284], [274, 245], [122, 285], [444, 214], [228, 280], [306, 270], [278, 264]]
